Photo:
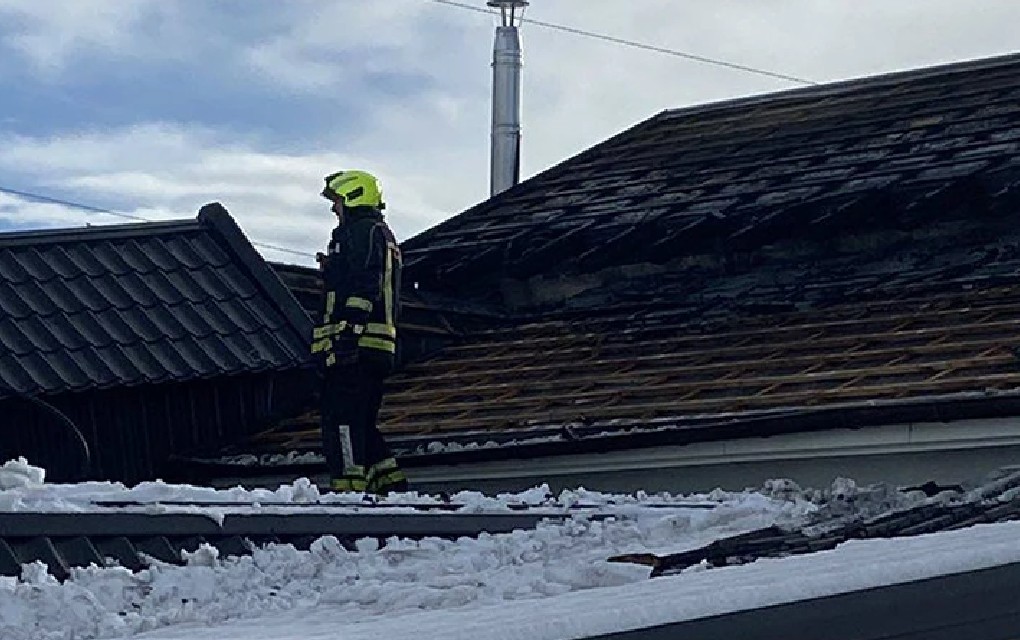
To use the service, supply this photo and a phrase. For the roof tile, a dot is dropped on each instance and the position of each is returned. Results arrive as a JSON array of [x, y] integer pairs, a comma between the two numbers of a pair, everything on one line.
[[94, 367], [68, 335], [14, 339], [37, 330], [268, 348], [10, 301], [183, 249], [135, 286], [114, 324], [34, 264], [193, 321], [35, 297], [143, 357], [140, 321], [84, 291], [90, 329], [137, 304], [165, 318], [211, 283], [63, 297], [36, 366], [12, 272], [211, 253], [165, 352], [157, 252], [240, 315], [188, 287], [13, 374], [240, 285], [195, 356], [57, 259], [136, 257], [109, 255], [216, 317], [82, 256], [72, 375], [111, 288], [164, 289], [114, 357]]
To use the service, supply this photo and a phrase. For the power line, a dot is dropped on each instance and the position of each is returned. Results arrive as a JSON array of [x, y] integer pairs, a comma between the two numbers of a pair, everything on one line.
[[638, 45], [127, 216]]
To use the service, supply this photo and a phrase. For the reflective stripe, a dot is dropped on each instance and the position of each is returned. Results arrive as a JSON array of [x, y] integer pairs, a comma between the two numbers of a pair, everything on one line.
[[388, 289], [322, 345], [330, 305], [381, 467], [348, 484], [359, 303], [380, 329], [328, 330], [383, 344], [322, 332], [347, 452], [387, 480], [331, 360]]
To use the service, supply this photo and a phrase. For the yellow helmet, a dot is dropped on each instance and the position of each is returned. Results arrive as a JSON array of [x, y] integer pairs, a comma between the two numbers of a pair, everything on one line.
[[354, 189]]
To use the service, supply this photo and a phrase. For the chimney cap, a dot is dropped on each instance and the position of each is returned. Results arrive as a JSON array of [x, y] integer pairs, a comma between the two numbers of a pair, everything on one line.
[[508, 4]]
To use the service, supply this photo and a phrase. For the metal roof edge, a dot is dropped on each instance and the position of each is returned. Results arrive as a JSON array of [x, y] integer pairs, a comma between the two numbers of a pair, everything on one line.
[[851, 416], [94, 232]]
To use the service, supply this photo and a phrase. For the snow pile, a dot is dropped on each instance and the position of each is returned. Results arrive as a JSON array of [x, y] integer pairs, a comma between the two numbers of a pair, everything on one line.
[[404, 587], [398, 578], [18, 473]]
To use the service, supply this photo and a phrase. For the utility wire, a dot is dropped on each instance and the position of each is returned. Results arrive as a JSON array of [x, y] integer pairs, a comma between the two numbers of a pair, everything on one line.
[[637, 45], [127, 216]]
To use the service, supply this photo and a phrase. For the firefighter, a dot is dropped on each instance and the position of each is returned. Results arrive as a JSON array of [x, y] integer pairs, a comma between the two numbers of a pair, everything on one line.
[[355, 344]]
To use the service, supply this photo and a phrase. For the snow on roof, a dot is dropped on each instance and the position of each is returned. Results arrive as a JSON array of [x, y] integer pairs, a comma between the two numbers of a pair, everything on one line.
[[553, 582]]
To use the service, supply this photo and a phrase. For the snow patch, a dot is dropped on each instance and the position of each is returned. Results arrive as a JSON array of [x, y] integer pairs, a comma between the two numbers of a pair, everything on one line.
[[18, 474]]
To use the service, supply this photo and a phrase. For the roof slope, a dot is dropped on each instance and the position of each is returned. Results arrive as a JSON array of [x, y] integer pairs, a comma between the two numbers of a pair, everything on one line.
[[737, 175], [836, 248], [140, 304]]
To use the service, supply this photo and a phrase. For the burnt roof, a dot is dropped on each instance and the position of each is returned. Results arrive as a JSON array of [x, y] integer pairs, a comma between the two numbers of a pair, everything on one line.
[[829, 249], [738, 175], [135, 304]]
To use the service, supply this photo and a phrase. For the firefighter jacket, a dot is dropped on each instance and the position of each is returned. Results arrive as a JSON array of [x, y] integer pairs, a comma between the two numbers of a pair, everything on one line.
[[361, 287]]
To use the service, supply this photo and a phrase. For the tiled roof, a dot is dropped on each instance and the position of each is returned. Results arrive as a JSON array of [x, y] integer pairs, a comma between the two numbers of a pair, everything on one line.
[[739, 175], [141, 304]]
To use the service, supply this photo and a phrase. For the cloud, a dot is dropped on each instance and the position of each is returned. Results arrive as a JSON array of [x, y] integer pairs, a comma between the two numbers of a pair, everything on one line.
[[402, 88], [48, 34], [160, 171]]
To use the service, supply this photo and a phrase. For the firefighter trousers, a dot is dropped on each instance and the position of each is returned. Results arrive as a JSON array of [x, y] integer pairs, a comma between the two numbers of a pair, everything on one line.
[[357, 456]]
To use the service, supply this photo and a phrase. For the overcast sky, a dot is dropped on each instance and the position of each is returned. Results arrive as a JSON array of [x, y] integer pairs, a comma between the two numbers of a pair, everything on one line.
[[154, 107]]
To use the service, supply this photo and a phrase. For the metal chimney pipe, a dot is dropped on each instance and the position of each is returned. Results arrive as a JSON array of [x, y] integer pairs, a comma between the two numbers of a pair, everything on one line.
[[505, 165]]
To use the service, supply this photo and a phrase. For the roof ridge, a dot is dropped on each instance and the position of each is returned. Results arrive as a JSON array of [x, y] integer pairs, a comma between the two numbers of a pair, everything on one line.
[[216, 217], [848, 85], [94, 232]]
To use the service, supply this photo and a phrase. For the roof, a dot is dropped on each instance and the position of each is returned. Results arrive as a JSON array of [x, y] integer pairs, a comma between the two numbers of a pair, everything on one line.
[[136, 304], [838, 247], [738, 175]]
